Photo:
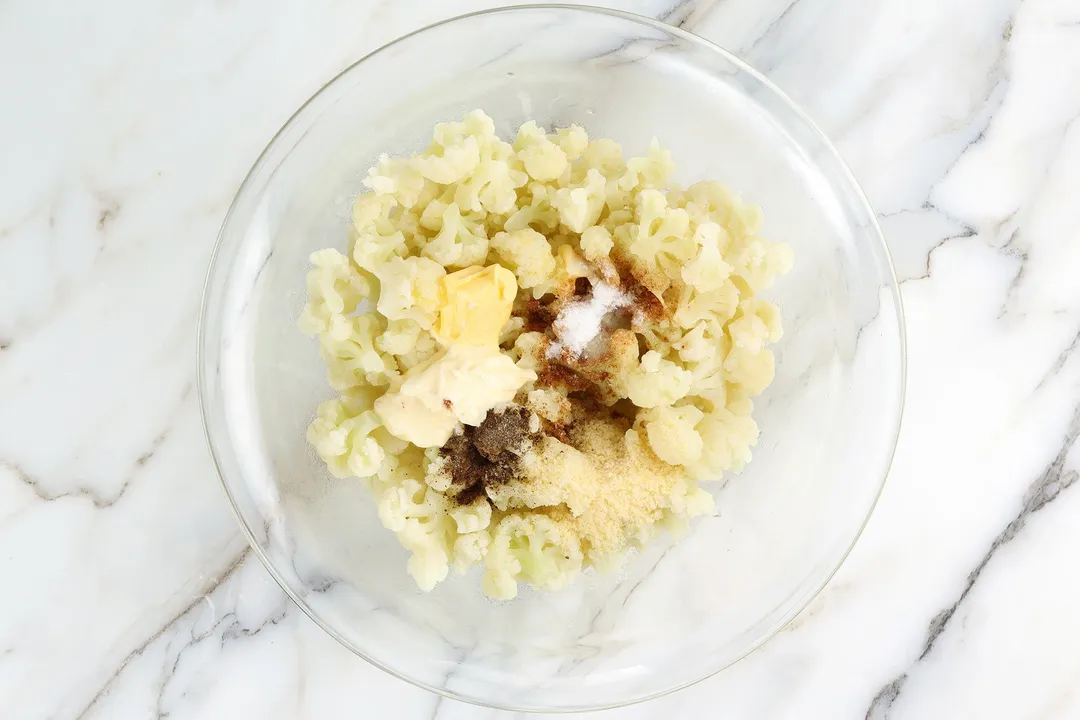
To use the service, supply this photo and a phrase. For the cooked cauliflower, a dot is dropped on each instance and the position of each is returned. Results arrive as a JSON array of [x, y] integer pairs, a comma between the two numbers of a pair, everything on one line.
[[672, 434], [596, 243], [527, 253], [409, 289], [530, 548], [657, 381], [552, 208], [342, 437]]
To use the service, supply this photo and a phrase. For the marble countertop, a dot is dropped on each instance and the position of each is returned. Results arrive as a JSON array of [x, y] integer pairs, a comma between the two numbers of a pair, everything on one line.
[[128, 590]]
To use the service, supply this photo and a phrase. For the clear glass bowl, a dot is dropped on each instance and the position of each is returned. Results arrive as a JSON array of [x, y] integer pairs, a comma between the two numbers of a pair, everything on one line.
[[678, 611]]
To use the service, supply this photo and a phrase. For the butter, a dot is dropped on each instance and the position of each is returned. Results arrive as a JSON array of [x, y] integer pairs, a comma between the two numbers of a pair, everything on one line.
[[471, 376], [478, 302], [461, 385]]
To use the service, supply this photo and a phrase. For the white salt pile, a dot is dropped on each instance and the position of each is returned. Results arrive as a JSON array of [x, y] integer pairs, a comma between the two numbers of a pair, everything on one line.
[[580, 321]]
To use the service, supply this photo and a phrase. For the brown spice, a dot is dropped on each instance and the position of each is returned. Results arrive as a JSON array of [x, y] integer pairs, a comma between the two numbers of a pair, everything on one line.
[[502, 432], [553, 373], [538, 316], [645, 300], [488, 455]]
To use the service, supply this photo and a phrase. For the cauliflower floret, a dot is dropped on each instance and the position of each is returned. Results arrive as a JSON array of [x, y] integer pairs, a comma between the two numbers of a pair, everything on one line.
[[696, 306], [688, 500], [757, 262], [527, 350], [527, 253], [596, 243], [749, 364], [660, 242], [671, 433], [530, 548], [454, 153], [751, 371], [377, 237], [342, 437], [568, 267], [657, 381], [726, 441], [605, 155], [534, 209], [580, 205], [492, 186], [436, 470], [410, 289], [573, 141], [470, 549], [702, 350], [425, 348], [651, 171], [551, 405], [708, 271], [348, 349], [708, 201], [399, 337], [418, 515], [472, 518], [544, 160], [335, 287], [397, 178], [460, 242]]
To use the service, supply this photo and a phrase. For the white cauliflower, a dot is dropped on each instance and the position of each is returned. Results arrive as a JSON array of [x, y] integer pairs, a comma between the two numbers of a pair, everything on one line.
[[460, 242], [660, 242], [530, 548], [573, 141], [544, 160], [651, 171], [534, 210], [348, 348], [527, 253], [696, 306], [470, 549], [471, 518], [671, 433], [342, 437], [410, 289], [397, 178], [335, 287], [596, 243], [580, 205], [377, 237], [399, 337], [757, 262], [708, 271], [726, 441], [657, 381]]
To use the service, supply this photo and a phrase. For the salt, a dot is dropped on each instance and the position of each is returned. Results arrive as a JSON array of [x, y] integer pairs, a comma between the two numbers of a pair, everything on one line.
[[579, 322]]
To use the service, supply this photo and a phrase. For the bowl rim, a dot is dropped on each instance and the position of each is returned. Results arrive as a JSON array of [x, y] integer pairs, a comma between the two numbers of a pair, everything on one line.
[[888, 275]]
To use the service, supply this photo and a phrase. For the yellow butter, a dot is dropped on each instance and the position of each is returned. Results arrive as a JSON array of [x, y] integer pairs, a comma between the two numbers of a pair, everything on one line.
[[478, 302]]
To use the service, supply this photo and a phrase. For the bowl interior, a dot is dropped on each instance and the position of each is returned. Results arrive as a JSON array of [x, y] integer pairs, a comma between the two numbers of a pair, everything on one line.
[[678, 610]]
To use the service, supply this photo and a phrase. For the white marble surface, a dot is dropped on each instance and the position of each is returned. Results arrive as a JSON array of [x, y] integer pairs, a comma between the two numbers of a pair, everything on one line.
[[128, 592]]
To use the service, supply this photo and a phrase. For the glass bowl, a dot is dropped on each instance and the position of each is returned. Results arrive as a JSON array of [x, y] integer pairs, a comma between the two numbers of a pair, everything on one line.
[[678, 611]]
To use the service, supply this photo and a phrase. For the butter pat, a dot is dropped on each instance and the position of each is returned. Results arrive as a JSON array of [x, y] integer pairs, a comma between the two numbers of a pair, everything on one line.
[[460, 386], [478, 303]]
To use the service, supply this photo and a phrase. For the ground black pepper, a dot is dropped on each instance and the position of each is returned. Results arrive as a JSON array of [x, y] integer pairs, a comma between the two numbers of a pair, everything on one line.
[[488, 455]]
